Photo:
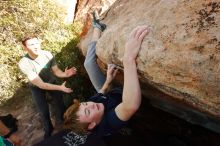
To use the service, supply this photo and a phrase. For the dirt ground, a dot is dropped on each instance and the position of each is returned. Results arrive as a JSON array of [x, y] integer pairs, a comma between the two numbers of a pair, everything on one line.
[[29, 125]]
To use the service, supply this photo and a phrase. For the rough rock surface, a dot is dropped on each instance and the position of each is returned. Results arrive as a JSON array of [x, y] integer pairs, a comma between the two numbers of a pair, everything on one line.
[[84, 8], [180, 56]]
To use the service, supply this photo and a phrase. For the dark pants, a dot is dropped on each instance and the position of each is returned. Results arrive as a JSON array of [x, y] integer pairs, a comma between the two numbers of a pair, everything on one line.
[[39, 98]]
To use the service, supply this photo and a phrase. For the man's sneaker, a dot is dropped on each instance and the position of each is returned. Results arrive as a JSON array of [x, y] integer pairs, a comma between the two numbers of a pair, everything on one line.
[[96, 23], [48, 132], [58, 127]]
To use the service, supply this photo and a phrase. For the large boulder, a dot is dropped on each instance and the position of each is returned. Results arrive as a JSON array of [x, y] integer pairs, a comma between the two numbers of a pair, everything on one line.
[[180, 56]]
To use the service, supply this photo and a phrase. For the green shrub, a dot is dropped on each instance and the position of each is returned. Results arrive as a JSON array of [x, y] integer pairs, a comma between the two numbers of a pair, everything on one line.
[[44, 18]]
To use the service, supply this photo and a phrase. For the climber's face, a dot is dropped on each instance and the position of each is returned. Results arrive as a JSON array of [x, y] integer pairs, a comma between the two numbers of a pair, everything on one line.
[[90, 112]]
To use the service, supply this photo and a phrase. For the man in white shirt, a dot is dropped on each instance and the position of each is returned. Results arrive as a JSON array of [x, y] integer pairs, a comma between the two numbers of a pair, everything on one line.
[[42, 70]]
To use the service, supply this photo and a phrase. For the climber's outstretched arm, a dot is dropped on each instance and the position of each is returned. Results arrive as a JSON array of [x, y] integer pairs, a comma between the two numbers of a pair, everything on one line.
[[131, 98]]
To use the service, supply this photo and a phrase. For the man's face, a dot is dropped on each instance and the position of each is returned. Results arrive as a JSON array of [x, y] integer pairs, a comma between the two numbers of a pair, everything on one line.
[[33, 46], [90, 112]]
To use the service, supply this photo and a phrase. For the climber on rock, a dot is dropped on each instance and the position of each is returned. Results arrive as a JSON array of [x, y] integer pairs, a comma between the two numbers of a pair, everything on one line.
[[108, 111]]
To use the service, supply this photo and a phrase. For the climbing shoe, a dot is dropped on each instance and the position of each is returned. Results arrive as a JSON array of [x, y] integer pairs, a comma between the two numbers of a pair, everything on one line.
[[96, 23]]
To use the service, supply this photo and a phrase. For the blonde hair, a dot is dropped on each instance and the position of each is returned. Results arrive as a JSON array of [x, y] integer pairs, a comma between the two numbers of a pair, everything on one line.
[[71, 120]]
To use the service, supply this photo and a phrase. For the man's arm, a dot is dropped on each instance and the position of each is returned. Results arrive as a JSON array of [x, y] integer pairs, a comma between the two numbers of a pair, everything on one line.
[[37, 81], [131, 98], [111, 73], [67, 73]]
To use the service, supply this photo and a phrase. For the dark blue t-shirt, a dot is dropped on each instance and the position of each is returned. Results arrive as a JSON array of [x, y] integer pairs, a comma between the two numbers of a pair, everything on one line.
[[110, 122]]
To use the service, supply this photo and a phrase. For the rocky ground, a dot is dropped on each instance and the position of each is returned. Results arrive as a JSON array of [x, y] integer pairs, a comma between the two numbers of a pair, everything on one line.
[[29, 125]]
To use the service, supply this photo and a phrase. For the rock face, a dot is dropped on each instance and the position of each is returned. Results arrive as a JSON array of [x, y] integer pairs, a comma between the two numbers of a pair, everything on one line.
[[85, 7], [180, 56]]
